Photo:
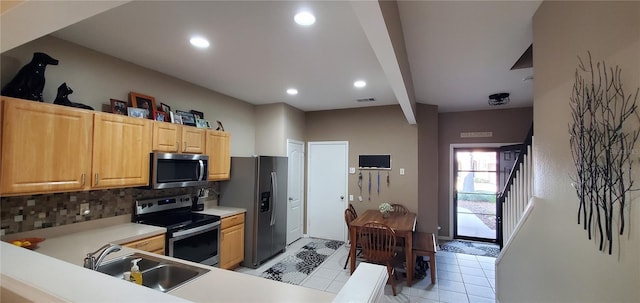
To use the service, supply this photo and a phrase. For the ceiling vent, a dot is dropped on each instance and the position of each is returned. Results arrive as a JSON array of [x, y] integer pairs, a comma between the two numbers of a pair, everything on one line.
[[366, 100], [499, 99]]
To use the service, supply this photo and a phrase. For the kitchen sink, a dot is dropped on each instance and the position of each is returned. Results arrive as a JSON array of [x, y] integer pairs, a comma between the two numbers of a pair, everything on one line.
[[159, 274], [117, 267]]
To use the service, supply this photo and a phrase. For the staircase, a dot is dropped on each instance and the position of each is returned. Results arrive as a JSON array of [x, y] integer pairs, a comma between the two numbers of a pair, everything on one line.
[[518, 190]]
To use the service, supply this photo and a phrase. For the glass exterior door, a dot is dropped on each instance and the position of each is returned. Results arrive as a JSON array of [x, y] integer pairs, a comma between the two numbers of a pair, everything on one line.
[[475, 192]]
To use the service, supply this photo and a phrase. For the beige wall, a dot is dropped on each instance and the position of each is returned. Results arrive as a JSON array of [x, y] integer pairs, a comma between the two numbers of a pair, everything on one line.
[[552, 260], [507, 125], [275, 123], [270, 130], [96, 77], [373, 130], [427, 116]]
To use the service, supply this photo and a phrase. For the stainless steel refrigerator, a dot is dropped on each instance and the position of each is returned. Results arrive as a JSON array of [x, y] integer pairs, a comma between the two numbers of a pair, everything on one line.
[[259, 185]]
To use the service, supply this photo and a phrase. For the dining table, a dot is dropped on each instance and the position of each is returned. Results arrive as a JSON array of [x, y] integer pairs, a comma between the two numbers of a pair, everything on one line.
[[402, 225]]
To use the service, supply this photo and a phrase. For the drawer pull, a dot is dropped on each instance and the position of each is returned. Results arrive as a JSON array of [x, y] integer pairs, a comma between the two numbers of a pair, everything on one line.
[[142, 244]]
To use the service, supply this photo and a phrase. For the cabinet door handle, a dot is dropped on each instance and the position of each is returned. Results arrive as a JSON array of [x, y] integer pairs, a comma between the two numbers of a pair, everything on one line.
[[177, 146], [83, 178], [185, 146], [96, 179]]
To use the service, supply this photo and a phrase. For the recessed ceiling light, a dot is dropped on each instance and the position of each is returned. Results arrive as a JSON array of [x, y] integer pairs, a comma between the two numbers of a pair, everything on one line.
[[359, 84], [305, 18], [199, 42], [292, 91]]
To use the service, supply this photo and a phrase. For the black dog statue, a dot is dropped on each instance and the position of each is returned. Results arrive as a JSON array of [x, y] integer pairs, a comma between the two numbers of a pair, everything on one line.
[[29, 82], [63, 97]]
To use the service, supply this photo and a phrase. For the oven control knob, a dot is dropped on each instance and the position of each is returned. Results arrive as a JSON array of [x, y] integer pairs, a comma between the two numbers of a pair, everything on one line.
[[143, 205], [149, 204]]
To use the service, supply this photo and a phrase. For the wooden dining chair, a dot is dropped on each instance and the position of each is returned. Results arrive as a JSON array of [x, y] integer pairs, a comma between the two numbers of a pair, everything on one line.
[[378, 243], [399, 209], [353, 209], [349, 216]]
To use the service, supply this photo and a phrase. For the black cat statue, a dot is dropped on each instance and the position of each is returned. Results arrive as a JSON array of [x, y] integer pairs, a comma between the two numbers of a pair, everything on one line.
[[63, 97], [29, 82]]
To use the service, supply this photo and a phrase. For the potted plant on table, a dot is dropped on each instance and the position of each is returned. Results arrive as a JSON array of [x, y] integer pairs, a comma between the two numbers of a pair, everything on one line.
[[386, 209]]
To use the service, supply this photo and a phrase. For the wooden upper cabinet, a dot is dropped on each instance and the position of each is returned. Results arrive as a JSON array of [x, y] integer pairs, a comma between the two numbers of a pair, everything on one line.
[[219, 152], [121, 148], [166, 137], [45, 147], [192, 140]]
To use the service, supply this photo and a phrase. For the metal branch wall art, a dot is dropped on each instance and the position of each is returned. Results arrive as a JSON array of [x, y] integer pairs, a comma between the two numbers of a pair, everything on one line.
[[602, 145]]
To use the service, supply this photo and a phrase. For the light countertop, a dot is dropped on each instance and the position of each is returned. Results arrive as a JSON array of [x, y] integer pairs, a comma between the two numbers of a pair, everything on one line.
[[223, 211], [48, 271]]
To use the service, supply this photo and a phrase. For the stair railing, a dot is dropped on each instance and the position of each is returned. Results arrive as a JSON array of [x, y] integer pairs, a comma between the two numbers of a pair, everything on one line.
[[514, 197]]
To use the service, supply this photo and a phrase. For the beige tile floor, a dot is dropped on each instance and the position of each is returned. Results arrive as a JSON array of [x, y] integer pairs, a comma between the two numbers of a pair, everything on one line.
[[461, 278]]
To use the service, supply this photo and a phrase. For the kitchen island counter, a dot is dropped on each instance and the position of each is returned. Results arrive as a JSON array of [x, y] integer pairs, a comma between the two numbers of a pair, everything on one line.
[[42, 272]]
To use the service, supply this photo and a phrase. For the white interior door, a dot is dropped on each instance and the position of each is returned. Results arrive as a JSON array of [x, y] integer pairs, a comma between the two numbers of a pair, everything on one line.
[[327, 189], [295, 209]]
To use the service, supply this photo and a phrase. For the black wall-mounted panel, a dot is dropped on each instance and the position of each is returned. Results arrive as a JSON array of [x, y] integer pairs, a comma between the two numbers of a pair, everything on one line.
[[374, 161]]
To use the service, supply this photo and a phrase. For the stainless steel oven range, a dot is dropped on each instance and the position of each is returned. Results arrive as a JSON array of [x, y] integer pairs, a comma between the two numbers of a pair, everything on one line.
[[190, 236]]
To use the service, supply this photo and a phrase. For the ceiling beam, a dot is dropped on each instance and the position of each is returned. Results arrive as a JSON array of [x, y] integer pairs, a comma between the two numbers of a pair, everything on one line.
[[380, 21], [25, 21]]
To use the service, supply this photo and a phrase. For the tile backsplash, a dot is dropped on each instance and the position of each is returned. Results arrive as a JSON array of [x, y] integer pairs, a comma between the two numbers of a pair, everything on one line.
[[25, 213]]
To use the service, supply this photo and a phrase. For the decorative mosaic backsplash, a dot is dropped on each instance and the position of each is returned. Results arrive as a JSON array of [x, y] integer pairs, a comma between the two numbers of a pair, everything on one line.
[[25, 213]]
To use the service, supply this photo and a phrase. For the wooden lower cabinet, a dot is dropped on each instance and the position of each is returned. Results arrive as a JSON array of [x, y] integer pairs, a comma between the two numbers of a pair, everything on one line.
[[232, 241], [153, 244]]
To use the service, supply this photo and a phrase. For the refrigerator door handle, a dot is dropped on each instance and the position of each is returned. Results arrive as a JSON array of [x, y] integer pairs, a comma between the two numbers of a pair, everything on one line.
[[274, 197]]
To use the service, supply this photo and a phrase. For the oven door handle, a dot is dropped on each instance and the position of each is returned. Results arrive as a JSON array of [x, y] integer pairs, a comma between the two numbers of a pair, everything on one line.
[[195, 230]]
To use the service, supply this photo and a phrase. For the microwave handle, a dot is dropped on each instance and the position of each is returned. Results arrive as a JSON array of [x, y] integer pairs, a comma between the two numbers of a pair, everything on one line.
[[200, 170]]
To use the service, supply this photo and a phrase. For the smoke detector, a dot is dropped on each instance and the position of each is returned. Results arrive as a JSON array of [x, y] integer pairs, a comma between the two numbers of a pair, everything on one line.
[[498, 99]]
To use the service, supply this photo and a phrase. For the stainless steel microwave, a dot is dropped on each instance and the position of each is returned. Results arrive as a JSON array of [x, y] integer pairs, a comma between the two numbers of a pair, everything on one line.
[[178, 170]]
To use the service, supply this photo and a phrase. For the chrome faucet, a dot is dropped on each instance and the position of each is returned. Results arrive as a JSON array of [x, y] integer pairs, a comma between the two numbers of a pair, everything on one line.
[[92, 263]]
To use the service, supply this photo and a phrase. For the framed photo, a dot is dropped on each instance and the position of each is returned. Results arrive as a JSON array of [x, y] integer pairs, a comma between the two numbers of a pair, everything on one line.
[[187, 118], [177, 119], [165, 108], [118, 107], [138, 112], [202, 123], [197, 114], [144, 102], [160, 116]]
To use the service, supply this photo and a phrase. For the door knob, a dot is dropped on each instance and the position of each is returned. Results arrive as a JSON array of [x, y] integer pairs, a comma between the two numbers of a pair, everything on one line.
[[290, 199], [341, 197]]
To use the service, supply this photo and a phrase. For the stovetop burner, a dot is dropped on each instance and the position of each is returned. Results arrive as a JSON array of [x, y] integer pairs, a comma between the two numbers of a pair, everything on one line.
[[174, 213], [173, 221]]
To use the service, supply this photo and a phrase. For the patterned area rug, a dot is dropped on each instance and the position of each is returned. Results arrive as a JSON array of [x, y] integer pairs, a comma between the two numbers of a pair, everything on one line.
[[295, 268], [471, 248]]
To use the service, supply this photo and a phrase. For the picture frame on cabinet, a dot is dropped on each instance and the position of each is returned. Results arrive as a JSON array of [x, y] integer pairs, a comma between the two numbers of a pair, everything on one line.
[[197, 114], [160, 115], [202, 123], [118, 107], [187, 118], [178, 119], [143, 101], [165, 108], [137, 112]]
